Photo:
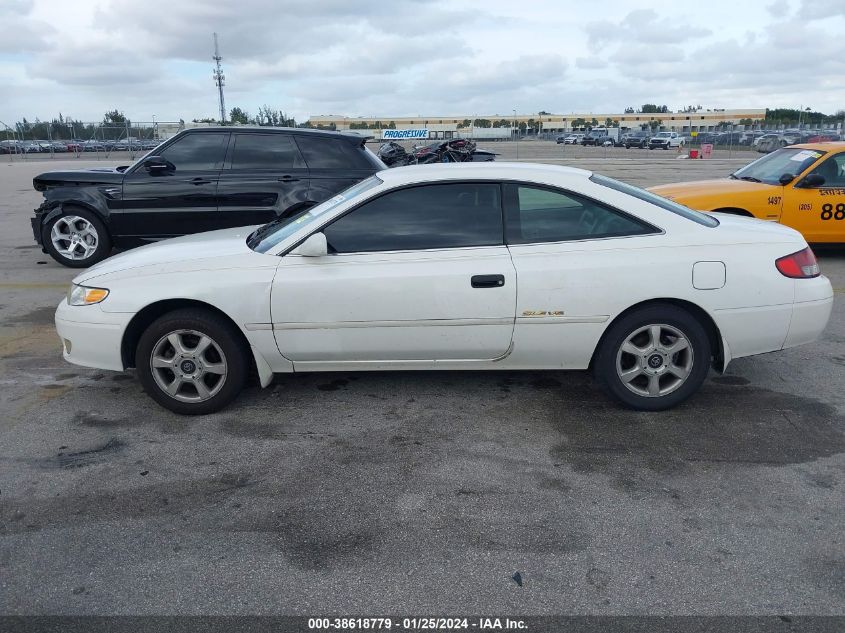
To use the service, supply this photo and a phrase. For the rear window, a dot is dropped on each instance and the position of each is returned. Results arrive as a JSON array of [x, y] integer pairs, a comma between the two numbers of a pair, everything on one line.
[[668, 205], [331, 153], [265, 151]]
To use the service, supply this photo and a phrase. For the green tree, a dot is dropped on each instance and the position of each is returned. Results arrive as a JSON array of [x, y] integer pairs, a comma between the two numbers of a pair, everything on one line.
[[237, 115], [650, 108], [114, 116], [654, 124], [483, 123]]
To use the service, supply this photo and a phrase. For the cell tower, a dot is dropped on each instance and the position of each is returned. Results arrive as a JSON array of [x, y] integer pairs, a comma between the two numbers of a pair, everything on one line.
[[219, 79]]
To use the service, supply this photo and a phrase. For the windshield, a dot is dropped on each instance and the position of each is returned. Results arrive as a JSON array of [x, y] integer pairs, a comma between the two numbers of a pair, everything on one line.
[[769, 168], [266, 237], [664, 203], [663, 134]]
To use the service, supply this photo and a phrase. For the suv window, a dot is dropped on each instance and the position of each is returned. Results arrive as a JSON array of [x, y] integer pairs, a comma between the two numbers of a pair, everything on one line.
[[425, 217], [331, 153], [265, 151], [537, 214], [198, 152]]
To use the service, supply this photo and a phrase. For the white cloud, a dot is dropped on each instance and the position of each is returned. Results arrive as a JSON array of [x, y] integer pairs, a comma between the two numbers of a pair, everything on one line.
[[408, 57]]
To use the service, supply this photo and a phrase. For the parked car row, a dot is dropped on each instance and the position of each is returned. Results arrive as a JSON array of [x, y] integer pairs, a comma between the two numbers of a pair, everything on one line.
[[12, 146], [763, 141]]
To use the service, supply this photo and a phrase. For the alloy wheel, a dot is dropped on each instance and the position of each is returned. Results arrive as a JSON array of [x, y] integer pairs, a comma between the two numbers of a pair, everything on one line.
[[654, 360], [74, 237], [188, 365]]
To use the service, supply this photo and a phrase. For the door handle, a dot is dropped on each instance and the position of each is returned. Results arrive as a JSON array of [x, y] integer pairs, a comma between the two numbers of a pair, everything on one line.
[[199, 181], [487, 281], [288, 179]]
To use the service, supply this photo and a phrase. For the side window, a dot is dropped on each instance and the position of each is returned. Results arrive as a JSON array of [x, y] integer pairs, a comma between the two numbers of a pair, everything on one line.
[[330, 153], [833, 171], [429, 216], [543, 215], [265, 151], [198, 152]]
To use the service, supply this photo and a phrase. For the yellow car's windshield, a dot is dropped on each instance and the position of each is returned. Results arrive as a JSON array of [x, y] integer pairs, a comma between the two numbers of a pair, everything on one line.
[[770, 168]]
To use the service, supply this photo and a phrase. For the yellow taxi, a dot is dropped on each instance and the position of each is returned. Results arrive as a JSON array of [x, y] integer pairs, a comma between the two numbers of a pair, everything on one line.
[[802, 186]]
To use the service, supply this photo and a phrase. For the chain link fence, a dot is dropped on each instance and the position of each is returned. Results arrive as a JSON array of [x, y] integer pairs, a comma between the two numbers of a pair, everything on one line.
[[100, 140]]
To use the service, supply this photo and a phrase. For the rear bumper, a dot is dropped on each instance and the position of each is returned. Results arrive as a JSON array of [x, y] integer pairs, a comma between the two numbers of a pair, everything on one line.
[[810, 312], [91, 337]]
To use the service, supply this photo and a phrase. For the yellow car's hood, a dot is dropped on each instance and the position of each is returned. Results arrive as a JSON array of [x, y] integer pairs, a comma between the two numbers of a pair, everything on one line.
[[681, 191]]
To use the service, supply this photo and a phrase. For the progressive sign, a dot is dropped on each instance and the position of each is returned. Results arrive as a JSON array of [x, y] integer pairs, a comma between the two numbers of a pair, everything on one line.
[[394, 135]]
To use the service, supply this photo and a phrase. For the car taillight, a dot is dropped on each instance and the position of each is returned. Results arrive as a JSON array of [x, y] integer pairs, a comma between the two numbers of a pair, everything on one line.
[[800, 265]]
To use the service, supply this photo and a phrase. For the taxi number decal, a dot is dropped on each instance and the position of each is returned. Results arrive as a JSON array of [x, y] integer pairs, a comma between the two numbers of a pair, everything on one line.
[[805, 206], [828, 212], [774, 199]]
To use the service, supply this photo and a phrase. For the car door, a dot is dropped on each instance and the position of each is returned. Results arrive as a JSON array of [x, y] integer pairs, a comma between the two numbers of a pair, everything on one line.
[[334, 164], [179, 200], [417, 274], [818, 212], [263, 176], [569, 269]]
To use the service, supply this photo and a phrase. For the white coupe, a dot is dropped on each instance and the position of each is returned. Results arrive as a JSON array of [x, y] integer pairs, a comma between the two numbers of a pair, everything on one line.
[[468, 266]]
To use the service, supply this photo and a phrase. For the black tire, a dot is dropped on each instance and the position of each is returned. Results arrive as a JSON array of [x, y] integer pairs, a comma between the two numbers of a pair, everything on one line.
[[609, 351], [222, 333], [103, 239]]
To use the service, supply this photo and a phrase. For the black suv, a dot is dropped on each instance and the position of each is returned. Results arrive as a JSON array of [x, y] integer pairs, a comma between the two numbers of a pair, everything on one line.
[[200, 180], [638, 138]]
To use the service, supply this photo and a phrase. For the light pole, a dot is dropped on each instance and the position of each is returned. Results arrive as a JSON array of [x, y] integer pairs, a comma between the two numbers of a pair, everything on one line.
[[516, 131]]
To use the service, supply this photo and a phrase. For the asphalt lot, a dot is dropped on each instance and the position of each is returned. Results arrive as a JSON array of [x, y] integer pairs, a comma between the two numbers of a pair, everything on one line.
[[415, 493]]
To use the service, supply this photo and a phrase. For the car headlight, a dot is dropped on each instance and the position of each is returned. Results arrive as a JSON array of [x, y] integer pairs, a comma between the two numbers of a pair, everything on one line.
[[85, 296]]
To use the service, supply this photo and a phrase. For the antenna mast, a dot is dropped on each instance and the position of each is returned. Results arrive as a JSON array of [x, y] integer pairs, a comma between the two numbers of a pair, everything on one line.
[[219, 79]]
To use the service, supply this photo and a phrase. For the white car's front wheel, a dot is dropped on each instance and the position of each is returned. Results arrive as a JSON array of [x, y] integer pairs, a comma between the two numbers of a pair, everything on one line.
[[192, 361], [654, 358]]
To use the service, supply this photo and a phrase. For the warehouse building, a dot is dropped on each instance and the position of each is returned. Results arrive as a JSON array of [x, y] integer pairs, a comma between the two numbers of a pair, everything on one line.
[[448, 126]]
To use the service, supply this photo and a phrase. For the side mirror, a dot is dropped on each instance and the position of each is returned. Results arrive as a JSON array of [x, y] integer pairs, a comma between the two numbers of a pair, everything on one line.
[[157, 164], [314, 246], [785, 179], [812, 181]]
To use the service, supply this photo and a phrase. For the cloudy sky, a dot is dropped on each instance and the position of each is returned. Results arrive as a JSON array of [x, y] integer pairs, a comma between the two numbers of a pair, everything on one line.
[[410, 57]]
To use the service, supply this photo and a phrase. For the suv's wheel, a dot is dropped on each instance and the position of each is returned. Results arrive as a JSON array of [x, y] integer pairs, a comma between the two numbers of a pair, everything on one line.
[[192, 361], [77, 238], [653, 358]]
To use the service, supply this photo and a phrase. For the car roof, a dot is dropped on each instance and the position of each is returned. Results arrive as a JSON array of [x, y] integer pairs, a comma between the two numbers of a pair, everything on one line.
[[824, 146], [349, 136], [480, 171]]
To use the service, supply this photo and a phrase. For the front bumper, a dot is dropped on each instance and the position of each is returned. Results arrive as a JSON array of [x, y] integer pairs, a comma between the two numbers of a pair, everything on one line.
[[91, 337], [36, 230]]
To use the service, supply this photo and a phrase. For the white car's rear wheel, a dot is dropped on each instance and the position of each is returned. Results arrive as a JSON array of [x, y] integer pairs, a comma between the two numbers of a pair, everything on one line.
[[192, 361], [653, 358]]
